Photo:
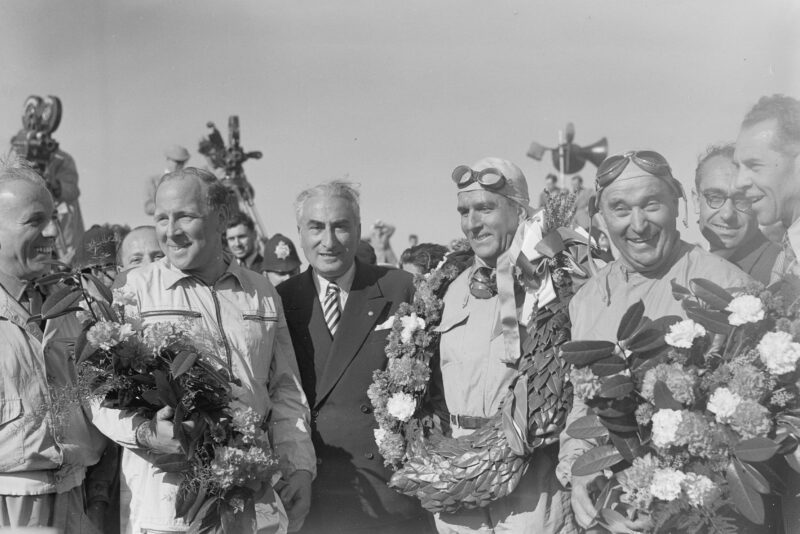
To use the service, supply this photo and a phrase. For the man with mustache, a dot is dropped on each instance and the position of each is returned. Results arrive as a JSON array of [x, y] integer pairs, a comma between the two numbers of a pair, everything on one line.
[[768, 156], [638, 201], [726, 217]]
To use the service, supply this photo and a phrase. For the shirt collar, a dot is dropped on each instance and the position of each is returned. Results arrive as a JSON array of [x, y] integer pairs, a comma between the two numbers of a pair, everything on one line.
[[172, 275], [345, 282], [13, 285]]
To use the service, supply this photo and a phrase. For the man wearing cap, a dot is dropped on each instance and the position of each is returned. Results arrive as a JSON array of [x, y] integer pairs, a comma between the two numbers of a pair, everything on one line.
[[493, 204], [726, 217], [176, 157], [638, 200], [280, 259]]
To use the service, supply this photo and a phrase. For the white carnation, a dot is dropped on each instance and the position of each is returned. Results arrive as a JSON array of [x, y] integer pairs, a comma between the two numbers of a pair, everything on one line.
[[682, 334], [380, 436], [700, 490], [778, 352], [745, 309], [665, 427], [123, 296], [401, 406], [666, 484], [411, 323], [723, 404]]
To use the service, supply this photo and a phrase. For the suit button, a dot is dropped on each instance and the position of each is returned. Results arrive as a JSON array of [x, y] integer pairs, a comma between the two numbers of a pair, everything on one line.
[[366, 409], [369, 455], [319, 461], [314, 414]]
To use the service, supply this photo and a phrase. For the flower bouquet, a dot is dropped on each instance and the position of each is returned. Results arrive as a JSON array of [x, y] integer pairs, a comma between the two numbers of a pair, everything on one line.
[[687, 414], [227, 462]]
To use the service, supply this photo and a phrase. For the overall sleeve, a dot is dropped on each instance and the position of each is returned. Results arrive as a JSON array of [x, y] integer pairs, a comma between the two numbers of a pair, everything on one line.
[[289, 421]]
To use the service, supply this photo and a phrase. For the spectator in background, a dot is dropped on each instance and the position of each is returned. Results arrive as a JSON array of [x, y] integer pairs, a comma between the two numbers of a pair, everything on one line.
[[140, 247], [176, 157], [726, 217], [413, 240], [582, 196], [242, 240], [550, 189], [423, 258], [365, 253], [280, 259], [382, 232]]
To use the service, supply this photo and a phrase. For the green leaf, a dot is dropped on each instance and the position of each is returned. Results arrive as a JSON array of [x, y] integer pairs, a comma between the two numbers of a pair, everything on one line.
[[755, 449], [205, 508], [745, 498], [615, 521], [652, 337], [101, 288], [183, 362], [171, 463], [630, 321], [628, 444], [793, 459], [83, 350], [752, 477], [663, 399], [595, 460], [624, 424], [587, 427], [678, 291], [152, 396], [608, 366], [713, 321], [185, 498], [583, 353], [63, 298], [710, 293], [616, 387], [616, 407], [165, 391]]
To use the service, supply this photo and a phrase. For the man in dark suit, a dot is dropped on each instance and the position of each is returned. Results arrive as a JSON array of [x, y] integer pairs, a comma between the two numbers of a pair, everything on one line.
[[338, 313]]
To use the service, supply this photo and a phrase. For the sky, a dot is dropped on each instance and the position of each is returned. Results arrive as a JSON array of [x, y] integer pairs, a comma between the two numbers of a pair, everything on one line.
[[391, 94]]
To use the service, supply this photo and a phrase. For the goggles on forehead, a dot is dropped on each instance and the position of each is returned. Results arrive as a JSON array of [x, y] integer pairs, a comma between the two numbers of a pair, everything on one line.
[[490, 178], [647, 160]]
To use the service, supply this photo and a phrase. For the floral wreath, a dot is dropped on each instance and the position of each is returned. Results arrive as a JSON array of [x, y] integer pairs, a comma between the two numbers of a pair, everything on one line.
[[447, 474]]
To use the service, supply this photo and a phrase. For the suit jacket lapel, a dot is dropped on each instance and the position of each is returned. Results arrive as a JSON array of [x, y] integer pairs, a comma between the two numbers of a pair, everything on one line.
[[364, 307]]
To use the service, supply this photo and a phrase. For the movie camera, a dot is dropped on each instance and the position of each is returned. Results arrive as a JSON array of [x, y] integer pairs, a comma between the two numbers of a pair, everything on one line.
[[34, 142], [231, 159]]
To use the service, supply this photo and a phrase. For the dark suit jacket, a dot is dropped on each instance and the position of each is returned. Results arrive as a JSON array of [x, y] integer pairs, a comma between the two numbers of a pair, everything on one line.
[[350, 491]]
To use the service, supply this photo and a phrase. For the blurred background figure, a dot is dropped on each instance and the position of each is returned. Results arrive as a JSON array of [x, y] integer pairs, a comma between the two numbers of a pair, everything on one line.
[[726, 217], [365, 253], [243, 240], [176, 158], [413, 240], [550, 189], [582, 196], [379, 238], [421, 259], [139, 247], [280, 259]]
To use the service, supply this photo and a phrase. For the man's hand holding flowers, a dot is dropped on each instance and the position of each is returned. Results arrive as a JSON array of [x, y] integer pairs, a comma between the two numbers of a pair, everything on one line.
[[295, 493], [157, 435]]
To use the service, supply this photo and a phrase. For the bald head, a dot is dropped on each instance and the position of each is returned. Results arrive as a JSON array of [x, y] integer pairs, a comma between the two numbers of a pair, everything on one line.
[[140, 247]]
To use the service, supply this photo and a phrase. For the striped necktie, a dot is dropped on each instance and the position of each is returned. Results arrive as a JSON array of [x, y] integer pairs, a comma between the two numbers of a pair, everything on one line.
[[331, 308]]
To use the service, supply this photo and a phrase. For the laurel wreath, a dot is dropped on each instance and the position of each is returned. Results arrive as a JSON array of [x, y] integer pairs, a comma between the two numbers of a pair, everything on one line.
[[447, 474]]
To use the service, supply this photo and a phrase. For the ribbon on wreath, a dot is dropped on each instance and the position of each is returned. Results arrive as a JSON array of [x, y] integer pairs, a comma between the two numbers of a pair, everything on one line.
[[526, 262]]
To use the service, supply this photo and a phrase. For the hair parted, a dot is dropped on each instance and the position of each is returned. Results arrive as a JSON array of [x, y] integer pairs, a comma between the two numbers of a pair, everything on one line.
[[335, 188], [217, 195], [786, 111], [725, 150], [241, 218]]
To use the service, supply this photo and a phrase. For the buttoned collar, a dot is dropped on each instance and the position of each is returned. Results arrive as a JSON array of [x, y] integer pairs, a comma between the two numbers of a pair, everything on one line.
[[172, 275], [13, 285]]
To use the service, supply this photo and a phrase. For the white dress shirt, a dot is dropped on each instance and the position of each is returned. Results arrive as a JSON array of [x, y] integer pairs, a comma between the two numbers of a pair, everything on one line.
[[345, 282]]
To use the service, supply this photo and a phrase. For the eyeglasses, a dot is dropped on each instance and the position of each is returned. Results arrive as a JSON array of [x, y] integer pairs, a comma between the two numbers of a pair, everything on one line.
[[490, 178], [647, 160], [740, 202]]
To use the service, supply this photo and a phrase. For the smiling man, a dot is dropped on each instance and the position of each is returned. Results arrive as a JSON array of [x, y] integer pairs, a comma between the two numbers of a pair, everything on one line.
[[726, 217], [768, 155], [43, 458], [638, 200], [337, 312], [193, 282], [139, 248]]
